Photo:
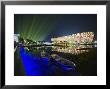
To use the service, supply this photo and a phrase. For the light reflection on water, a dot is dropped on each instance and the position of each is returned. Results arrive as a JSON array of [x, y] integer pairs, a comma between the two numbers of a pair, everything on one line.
[[78, 62], [73, 49]]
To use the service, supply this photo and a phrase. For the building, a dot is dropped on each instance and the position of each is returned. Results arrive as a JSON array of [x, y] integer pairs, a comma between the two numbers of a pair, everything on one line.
[[16, 37], [78, 38]]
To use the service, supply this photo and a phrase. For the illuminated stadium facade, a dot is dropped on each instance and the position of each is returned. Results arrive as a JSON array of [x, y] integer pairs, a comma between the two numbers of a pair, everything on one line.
[[78, 38]]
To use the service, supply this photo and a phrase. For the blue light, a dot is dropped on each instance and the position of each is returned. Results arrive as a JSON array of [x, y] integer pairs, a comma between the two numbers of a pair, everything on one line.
[[35, 66]]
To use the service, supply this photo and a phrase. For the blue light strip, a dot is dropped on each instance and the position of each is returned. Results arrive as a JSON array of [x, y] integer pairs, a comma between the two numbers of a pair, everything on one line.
[[35, 66]]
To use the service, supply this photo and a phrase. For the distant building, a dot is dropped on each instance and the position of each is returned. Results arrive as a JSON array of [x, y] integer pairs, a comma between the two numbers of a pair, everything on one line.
[[16, 37], [78, 38]]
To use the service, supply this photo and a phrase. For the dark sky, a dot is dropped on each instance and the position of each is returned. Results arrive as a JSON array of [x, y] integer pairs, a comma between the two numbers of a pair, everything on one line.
[[45, 26]]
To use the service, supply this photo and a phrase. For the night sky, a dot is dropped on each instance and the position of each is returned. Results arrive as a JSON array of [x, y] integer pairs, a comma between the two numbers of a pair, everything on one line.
[[39, 27]]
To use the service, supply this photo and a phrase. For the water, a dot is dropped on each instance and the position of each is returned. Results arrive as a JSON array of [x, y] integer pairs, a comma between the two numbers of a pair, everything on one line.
[[77, 60]]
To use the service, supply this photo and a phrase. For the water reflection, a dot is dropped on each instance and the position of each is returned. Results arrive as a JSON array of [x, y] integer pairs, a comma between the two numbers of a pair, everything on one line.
[[73, 49], [63, 58], [52, 65]]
